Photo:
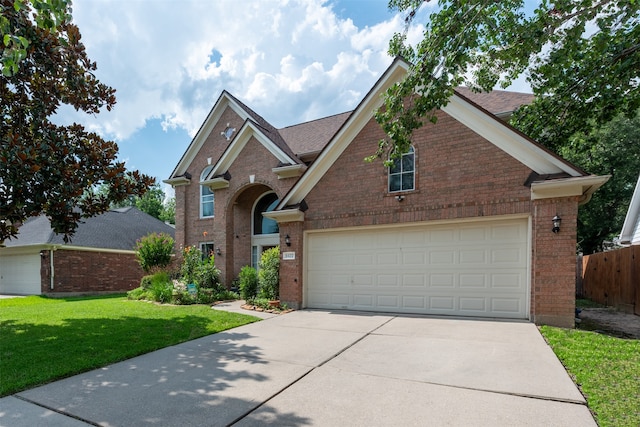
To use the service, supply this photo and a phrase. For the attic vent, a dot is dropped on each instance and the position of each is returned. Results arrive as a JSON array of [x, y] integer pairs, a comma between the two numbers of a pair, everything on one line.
[[228, 132]]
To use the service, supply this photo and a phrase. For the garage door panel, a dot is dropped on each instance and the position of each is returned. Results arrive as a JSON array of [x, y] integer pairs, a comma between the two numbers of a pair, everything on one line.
[[20, 274], [478, 269], [473, 281], [441, 303]]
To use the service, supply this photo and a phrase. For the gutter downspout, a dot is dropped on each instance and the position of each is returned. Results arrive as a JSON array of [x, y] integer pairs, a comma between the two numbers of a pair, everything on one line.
[[51, 274]]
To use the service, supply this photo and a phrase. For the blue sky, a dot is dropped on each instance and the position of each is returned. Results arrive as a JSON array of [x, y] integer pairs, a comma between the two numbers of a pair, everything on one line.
[[289, 60]]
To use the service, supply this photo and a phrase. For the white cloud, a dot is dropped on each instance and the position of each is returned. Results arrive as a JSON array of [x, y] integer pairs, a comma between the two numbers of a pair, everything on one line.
[[289, 60]]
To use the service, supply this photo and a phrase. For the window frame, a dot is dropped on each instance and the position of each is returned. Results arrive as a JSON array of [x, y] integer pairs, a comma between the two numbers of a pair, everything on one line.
[[203, 248], [210, 196], [391, 173]]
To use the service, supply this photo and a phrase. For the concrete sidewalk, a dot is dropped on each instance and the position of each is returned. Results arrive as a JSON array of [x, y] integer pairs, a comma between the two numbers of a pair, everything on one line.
[[323, 368]]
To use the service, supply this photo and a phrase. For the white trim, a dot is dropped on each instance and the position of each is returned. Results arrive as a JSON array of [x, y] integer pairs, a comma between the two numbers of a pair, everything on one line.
[[632, 219], [341, 140], [287, 215], [507, 139], [289, 171], [486, 125], [216, 183], [248, 130], [224, 102], [583, 186], [177, 181]]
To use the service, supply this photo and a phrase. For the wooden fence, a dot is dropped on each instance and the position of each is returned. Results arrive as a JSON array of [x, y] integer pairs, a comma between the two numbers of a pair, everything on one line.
[[612, 278]]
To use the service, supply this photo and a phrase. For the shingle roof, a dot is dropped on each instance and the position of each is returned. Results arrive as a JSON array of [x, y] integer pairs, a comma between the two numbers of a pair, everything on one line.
[[115, 229], [270, 131], [310, 137], [497, 101]]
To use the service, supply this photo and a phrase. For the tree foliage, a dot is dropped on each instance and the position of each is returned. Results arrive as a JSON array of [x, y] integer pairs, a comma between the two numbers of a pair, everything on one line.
[[48, 168], [612, 149], [581, 58]]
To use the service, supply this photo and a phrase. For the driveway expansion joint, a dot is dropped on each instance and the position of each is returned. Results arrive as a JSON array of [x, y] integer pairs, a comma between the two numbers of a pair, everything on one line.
[[57, 411], [246, 414]]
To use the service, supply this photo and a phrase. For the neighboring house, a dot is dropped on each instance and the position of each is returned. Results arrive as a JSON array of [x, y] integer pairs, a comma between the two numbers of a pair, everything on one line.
[[461, 225], [99, 258], [630, 234]]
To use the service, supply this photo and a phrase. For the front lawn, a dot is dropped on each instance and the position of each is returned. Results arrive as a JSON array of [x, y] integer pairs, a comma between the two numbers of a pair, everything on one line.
[[607, 370], [43, 339]]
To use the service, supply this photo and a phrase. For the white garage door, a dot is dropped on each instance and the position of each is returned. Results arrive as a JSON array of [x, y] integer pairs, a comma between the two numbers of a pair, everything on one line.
[[20, 274], [468, 269]]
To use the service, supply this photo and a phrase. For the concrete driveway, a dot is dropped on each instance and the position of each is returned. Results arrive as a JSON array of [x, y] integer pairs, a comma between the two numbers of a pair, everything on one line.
[[324, 368]]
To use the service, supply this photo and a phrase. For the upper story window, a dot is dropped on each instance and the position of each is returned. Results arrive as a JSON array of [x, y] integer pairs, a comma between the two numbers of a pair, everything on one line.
[[261, 224], [402, 172], [206, 196]]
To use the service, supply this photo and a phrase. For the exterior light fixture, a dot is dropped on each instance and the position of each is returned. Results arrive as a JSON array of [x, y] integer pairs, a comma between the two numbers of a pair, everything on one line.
[[218, 252], [556, 224], [287, 240]]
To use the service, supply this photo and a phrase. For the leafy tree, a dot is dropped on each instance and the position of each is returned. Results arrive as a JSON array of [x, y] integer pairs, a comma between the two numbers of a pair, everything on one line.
[[151, 201], [168, 213], [612, 150], [48, 168], [581, 59]]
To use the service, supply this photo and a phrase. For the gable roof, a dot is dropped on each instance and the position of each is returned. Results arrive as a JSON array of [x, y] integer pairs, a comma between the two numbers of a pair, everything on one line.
[[499, 102], [630, 233], [311, 137], [116, 229], [486, 124]]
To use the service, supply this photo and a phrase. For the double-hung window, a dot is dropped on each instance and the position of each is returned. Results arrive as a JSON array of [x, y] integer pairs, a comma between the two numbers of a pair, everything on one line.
[[206, 196], [402, 172]]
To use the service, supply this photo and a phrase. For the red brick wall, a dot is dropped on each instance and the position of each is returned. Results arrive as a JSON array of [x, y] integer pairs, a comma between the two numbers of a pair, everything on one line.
[[458, 175], [86, 272], [554, 262], [232, 205]]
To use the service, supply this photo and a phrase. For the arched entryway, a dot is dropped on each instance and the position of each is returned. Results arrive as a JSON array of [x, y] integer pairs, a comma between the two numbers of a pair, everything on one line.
[[265, 231], [248, 233]]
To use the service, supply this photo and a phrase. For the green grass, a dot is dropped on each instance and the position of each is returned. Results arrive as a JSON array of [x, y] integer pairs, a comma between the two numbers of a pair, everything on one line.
[[44, 339], [607, 370]]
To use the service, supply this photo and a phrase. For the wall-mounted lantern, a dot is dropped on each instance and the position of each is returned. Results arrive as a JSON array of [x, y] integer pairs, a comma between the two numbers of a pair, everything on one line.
[[287, 240], [556, 224], [218, 252]]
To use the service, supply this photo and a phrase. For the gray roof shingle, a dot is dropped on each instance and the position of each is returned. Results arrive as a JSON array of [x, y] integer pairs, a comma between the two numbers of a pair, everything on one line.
[[116, 229]]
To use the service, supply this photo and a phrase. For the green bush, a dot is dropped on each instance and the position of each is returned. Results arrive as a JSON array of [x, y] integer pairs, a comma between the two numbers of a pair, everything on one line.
[[191, 260], [269, 274], [207, 275], [138, 293], [248, 282], [154, 251]]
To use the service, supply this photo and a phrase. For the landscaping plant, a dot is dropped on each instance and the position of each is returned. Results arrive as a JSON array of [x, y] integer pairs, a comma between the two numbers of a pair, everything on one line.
[[248, 282], [154, 251], [195, 271], [269, 274]]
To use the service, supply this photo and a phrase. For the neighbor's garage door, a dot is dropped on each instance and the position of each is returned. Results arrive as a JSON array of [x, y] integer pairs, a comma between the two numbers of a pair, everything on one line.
[[20, 274], [469, 269]]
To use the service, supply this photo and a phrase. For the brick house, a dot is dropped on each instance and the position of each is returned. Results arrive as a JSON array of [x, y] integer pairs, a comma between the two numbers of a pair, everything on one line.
[[100, 258], [462, 225]]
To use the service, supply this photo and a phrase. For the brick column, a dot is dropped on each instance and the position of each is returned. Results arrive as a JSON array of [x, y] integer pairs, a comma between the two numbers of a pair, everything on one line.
[[553, 269], [291, 270]]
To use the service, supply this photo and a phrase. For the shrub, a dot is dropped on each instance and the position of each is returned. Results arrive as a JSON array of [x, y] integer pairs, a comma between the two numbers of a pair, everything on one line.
[[269, 274], [137, 293], [161, 287], [154, 251], [207, 275], [191, 260], [248, 282]]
